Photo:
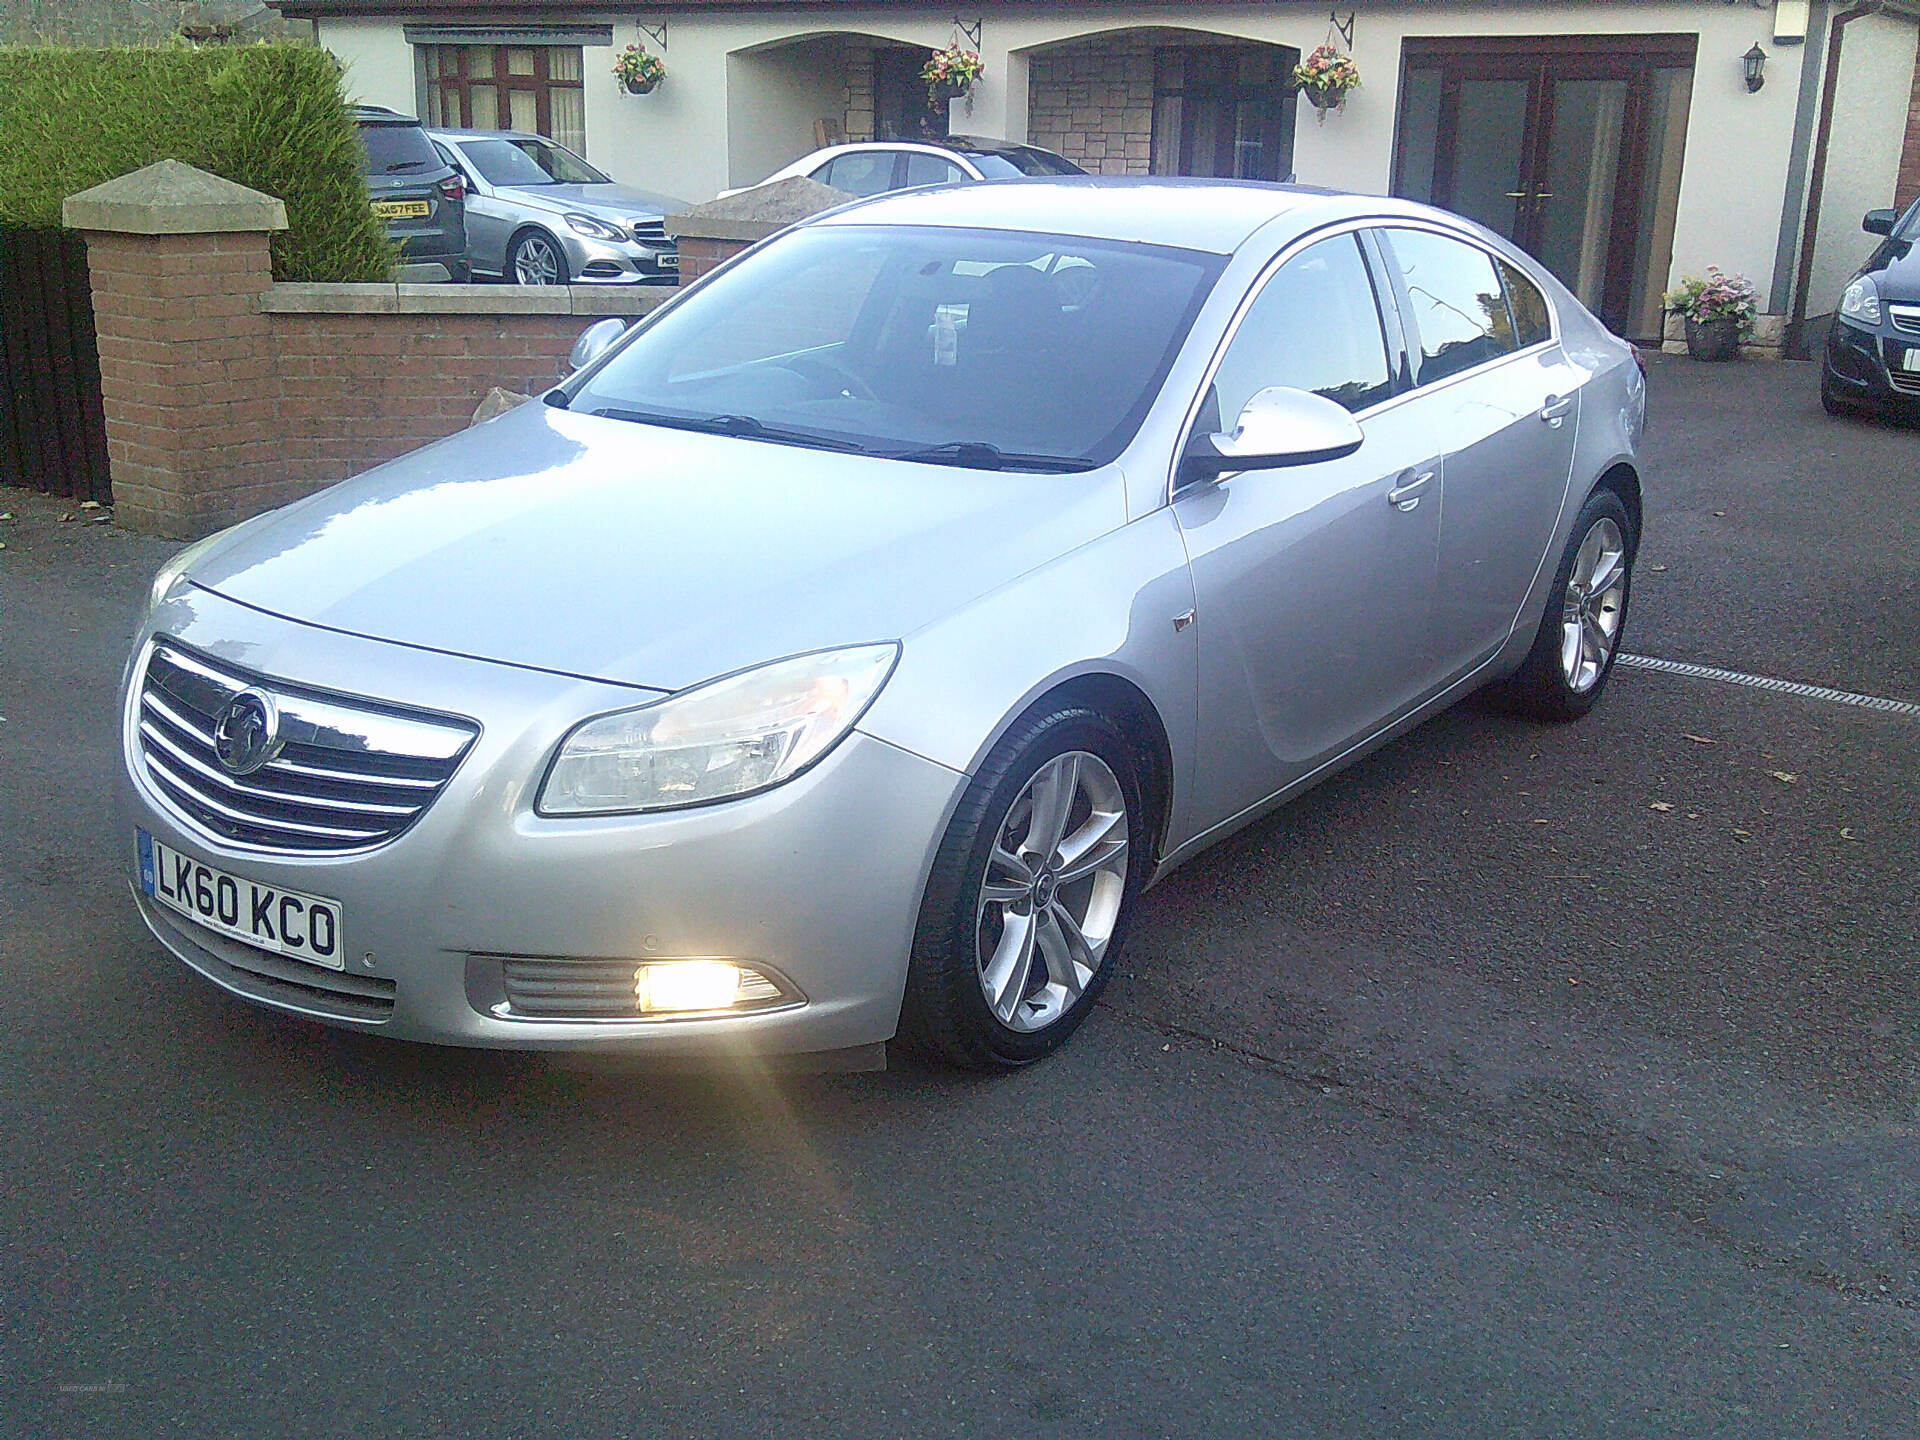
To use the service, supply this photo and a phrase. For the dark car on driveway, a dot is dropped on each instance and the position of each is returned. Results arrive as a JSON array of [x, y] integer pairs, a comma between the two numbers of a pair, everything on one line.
[[419, 196], [1872, 359]]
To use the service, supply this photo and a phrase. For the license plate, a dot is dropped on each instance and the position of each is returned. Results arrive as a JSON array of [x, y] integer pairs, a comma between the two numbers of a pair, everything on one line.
[[667, 262], [400, 209], [287, 922], [1912, 360]]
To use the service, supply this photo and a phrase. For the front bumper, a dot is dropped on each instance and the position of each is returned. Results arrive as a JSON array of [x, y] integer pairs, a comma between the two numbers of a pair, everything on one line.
[[608, 262], [1868, 366], [819, 880]]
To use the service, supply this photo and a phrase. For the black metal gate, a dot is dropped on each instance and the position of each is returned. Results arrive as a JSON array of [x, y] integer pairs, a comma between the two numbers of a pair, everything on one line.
[[53, 432]]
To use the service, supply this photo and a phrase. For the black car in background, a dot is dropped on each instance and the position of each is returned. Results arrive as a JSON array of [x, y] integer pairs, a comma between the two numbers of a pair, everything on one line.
[[420, 197], [1872, 359]]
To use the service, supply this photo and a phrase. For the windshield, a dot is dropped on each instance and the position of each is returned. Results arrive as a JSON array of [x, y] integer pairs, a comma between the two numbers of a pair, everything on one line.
[[1021, 160], [986, 349], [529, 162]]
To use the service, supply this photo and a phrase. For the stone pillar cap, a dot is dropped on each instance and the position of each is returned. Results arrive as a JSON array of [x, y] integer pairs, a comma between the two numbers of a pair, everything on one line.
[[757, 213], [169, 198]]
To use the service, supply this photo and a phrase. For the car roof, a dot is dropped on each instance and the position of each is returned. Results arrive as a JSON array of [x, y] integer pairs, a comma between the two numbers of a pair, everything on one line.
[[440, 134], [381, 115], [1213, 215]]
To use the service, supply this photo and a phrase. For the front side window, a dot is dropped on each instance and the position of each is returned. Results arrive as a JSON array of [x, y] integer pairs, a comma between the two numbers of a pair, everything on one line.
[[995, 349], [1315, 326], [536, 88], [1459, 307]]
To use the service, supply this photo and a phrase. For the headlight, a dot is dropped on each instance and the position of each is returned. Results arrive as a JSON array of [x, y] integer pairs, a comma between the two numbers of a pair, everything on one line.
[[595, 229], [731, 737], [1861, 302]]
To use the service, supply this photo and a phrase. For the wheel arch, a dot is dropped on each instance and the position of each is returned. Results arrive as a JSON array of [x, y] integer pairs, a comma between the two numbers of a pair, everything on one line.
[[1138, 719], [1623, 480]]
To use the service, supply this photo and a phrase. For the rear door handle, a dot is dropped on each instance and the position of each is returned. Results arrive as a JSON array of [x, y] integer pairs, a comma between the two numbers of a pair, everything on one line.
[[1406, 495], [1557, 408]]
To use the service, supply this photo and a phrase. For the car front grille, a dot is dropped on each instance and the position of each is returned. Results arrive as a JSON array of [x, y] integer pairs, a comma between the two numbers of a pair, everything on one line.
[[1905, 317], [1905, 381], [650, 232], [343, 774]]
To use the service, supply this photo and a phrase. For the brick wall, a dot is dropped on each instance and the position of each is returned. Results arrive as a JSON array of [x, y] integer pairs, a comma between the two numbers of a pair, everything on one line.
[[698, 256], [226, 395], [1093, 103], [1908, 187]]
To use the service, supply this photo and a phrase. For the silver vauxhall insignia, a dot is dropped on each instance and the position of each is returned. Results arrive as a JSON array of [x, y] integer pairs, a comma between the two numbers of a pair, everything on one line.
[[843, 651]]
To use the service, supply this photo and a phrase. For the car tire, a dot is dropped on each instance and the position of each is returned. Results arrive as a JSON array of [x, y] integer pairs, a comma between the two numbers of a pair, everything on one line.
[[1579, 636], [1020, 926], [536, 258]]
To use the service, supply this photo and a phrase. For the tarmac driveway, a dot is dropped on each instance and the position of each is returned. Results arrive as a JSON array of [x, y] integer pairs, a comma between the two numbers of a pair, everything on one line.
[[1520, 1081]]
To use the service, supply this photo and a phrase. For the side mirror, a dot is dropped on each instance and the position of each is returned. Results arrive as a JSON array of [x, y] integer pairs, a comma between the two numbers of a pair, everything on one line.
[[1279, 427], [595, 341], [1879, 222]]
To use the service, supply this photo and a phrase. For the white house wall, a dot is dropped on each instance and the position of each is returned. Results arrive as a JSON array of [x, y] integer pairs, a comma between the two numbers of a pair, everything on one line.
[[1863, 163], [730, 112]]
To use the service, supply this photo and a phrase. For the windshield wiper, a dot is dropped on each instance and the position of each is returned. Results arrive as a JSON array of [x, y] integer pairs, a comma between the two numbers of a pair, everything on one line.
[[979, 455], [400, 165], [744, 427]]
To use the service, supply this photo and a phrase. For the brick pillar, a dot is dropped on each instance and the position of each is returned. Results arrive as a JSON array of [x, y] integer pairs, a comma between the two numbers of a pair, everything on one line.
[[711, 234], [179, 261]]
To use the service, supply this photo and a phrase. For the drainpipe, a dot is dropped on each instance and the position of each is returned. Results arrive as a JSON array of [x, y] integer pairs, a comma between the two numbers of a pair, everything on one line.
[[1806, 113], [1796, 324]]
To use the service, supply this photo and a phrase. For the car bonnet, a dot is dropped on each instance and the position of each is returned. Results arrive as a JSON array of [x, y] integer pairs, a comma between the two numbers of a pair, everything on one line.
[[645, 556]]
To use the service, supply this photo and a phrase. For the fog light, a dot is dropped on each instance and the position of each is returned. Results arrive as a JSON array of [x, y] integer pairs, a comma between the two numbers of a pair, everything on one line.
[[686, 985]]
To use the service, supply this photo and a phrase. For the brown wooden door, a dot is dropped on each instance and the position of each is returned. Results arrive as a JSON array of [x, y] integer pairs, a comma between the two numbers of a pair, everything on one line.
[[1545, 144]]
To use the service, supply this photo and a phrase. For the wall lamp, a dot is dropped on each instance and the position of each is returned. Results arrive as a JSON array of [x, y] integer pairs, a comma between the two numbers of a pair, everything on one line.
[[1753, 65]]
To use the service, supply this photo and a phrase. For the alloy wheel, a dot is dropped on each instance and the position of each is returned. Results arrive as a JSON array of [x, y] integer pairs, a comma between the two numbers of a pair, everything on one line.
[[536, 262], [1595, 604], [1052, 893]]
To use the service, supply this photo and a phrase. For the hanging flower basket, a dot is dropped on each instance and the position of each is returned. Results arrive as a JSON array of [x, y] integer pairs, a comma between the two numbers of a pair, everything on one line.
[[951, 73], [638, 70], [1325, 77]]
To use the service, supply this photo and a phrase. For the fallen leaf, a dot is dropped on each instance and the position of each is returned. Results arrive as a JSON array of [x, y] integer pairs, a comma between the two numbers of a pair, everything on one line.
[[1785, 777], [1660, 805], [1743, 834], [89, 504], [1656, 567], [66, 517], [1721, 513], [1693, 814], [1698, 739], [6, 514], [1846, 833]]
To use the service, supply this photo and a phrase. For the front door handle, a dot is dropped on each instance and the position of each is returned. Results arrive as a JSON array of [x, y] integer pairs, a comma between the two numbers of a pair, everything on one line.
[[1557, 408], [1406, 495]]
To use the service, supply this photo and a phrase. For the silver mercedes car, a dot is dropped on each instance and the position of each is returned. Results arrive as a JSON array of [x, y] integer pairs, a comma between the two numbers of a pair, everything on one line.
[[537, 214], [843, 651]]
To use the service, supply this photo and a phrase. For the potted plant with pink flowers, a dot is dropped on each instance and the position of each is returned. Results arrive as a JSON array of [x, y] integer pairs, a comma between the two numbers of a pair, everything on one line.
[[1719, 310]]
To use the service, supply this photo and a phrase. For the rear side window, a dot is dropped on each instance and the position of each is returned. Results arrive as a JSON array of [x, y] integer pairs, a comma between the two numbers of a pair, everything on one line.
[[1531, 322], [1315, 326], [1458, 305], [398, 150]]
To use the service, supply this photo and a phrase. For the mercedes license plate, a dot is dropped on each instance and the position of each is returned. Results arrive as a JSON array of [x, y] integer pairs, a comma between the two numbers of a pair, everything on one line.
[[287, 922]]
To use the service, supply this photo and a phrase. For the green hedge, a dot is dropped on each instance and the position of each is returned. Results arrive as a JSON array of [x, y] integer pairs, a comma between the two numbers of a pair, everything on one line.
[[271, 117]]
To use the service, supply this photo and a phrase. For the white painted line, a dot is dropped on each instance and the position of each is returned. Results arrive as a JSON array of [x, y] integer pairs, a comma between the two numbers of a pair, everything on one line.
[[1765, 682]]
